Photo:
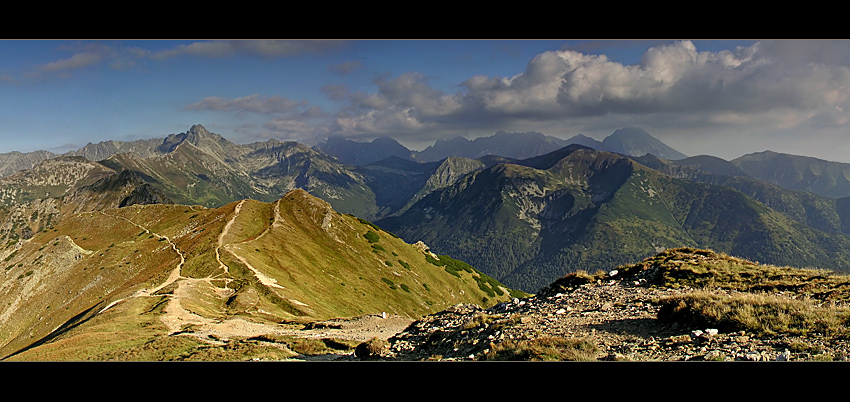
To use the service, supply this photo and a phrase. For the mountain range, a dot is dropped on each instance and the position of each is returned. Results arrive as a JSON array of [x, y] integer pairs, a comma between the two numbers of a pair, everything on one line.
[[631, 141], [524, 215], [158, 249]]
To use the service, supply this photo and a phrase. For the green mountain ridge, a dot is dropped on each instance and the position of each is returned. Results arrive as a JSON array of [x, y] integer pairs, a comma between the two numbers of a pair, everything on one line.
[[593, 210], [152, 272], [800, 173]]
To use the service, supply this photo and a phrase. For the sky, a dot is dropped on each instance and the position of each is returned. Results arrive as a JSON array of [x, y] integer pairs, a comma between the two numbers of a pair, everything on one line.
[[701, 97]]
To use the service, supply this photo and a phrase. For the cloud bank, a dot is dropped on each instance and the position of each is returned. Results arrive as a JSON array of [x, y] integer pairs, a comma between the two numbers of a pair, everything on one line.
[[767, 89], [559, 85]]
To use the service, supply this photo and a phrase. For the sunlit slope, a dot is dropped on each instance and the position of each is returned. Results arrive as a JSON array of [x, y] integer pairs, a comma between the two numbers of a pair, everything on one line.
[[328, 264], [74, 270], [104, 282]]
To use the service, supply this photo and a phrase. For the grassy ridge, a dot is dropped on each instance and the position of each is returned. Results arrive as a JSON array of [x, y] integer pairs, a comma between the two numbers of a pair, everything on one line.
[[304, 262]]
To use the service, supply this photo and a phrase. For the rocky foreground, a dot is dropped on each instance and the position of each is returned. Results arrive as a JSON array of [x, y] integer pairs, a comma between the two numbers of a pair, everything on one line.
[[612, 319]]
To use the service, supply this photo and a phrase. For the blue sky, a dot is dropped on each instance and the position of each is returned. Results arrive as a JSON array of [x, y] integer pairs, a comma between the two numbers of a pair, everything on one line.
[[723, 98]]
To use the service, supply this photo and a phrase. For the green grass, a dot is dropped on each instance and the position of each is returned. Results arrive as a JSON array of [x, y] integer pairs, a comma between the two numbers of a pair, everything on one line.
[[372, 237]]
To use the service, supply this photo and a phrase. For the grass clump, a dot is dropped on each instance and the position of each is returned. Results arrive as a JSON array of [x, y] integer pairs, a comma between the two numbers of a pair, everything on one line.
[[480, 320], [389, 283], [549, 348], [372, 237], [757, 313]]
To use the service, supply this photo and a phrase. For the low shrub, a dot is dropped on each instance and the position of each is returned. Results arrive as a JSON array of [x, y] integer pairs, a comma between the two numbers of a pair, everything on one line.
[[372, 237], [389, 283]]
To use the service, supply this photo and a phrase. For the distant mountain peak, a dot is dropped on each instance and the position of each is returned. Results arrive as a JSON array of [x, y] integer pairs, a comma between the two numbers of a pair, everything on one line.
[[582, 139], [635, 141], [518, 145], [198, 129], [363, 153]]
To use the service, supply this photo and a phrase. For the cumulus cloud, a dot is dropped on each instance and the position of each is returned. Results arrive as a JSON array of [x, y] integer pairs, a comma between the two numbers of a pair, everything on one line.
[[401, 104], [675, 80]]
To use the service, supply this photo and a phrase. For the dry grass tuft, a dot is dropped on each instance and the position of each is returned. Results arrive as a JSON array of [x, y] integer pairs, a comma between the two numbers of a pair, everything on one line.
[[549, 348], [757, 313]]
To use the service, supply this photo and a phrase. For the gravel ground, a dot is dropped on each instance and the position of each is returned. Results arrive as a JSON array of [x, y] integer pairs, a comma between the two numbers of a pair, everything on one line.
[[618, 317]]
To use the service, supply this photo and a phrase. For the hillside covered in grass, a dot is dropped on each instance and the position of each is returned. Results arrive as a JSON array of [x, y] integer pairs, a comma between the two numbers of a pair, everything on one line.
[[160, 282]]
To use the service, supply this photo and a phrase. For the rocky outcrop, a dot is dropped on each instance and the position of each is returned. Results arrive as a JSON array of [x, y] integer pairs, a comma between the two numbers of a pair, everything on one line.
[[622, 316]]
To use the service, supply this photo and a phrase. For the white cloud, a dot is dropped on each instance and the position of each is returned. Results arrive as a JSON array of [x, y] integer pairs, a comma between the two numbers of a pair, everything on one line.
[[260, 48], [79, 60], [252, 103], [747, 84]]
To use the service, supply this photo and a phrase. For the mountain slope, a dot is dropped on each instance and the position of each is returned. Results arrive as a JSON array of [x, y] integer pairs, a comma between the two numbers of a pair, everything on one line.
[[13, 162], [800, 173], [584, 209], [34, 199], [815, 211], [154, 271]]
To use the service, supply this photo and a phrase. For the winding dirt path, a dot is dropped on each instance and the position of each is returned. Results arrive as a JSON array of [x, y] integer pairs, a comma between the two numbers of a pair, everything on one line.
[[175, 317], [223, 233], [173, 277], [232, 248]]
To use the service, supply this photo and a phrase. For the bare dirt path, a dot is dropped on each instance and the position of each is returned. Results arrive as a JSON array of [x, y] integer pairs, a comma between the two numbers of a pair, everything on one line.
[[176, 317], [231, 248], [173, 277], [223, 233]]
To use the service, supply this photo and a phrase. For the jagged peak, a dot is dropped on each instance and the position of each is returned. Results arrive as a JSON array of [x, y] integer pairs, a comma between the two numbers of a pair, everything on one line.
[[199, 130]]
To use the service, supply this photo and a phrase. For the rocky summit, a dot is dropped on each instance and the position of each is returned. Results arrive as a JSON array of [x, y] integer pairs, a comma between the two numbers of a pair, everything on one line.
[[629, 314]]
